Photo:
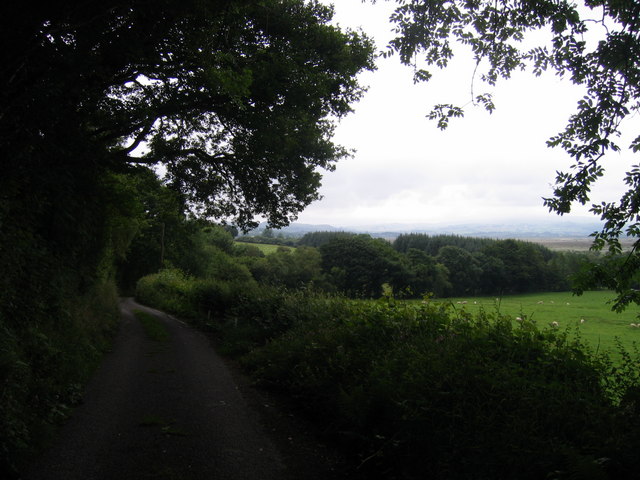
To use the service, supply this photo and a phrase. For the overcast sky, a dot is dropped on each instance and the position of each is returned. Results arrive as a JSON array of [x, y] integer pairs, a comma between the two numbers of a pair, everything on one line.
[[483, 168]]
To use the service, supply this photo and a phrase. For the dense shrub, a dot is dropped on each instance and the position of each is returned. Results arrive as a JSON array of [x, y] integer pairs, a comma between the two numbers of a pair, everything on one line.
[[168, 290], [243, 313], [59, 238], [42, 371], [291, 268], [422, 393]]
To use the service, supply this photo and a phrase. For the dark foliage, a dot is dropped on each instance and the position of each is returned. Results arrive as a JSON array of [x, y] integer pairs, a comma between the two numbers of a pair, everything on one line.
[[317, 239], [359, 265], [417, 392], [496, 267], [232, 98], [235, 100], [431, 244]]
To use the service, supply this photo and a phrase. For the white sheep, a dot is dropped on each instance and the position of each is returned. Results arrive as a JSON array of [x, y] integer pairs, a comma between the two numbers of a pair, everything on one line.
[[554, 324], [634, 325], [540, 302], [582, 320], [519, 319]]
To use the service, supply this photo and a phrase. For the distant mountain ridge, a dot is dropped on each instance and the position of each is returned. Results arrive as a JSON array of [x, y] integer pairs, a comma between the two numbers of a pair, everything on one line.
[[534, 229]]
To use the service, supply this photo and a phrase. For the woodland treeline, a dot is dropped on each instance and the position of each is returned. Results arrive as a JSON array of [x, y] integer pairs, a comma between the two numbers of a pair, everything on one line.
[[414, 265]]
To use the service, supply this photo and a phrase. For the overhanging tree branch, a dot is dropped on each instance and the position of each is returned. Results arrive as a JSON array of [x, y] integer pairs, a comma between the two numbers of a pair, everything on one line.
[[609, 72]]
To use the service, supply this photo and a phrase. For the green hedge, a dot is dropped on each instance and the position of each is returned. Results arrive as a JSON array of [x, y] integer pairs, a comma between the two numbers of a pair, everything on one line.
[[423, 391], [243, 312]]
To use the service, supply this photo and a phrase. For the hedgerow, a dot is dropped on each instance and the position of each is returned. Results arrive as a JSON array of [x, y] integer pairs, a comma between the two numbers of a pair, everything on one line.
[[425, 391], [43, 369]]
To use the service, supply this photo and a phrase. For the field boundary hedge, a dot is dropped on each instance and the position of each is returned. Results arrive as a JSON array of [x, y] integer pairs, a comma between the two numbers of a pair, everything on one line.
[[422, 390]]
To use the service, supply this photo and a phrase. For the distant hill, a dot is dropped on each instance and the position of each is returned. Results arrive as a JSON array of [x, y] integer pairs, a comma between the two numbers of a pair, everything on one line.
[[524, 230]]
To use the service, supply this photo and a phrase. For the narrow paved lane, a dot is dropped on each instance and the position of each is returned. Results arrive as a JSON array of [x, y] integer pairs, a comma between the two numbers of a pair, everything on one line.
[[163, 411]]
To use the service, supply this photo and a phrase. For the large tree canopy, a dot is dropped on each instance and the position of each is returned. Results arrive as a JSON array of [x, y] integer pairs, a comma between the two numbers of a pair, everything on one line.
[[501, 35], [236, 99]]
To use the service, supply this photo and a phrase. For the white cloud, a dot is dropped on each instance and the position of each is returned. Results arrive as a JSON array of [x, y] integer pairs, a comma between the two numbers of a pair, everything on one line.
[[483, 167]]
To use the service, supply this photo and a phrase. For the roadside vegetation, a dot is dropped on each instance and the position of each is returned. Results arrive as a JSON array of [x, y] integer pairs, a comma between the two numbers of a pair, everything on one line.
[[452, 388]]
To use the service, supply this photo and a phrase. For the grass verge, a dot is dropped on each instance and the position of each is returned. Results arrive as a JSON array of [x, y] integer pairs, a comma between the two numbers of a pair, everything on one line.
[[153, 327]]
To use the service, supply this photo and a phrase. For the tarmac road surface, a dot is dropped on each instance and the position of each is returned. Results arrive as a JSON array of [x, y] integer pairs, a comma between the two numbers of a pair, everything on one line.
[[163, 410]]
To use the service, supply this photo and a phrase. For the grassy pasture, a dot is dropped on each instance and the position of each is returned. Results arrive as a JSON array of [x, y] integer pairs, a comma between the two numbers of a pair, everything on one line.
[[601, 325], [266, 248]]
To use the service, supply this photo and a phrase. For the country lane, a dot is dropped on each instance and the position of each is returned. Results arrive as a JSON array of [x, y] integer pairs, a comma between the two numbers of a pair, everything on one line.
[[162, 410]]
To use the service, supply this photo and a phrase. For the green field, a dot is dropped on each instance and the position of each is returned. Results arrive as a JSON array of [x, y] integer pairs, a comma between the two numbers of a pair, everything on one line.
[[600, 327], [266, 248]]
